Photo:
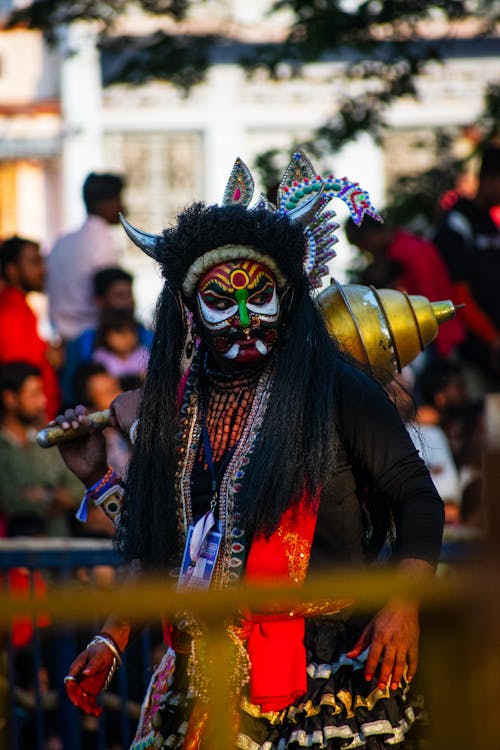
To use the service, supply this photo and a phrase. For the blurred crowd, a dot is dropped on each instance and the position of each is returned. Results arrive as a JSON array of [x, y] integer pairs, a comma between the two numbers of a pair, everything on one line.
[[102, 348]]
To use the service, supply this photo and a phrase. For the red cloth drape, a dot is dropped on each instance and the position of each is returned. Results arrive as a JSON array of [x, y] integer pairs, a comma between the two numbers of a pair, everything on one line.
[[276, 646]]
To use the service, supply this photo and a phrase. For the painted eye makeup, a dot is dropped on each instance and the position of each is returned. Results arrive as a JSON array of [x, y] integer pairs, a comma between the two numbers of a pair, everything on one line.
[[216, 302], [261, 298]]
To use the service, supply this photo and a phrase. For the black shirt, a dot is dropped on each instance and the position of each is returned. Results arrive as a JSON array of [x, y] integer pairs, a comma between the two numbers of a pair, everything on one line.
[[469, 241], [376, 460]]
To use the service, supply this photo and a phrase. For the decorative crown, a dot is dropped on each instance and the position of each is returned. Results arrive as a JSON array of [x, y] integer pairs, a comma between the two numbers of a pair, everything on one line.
[[303, 196]]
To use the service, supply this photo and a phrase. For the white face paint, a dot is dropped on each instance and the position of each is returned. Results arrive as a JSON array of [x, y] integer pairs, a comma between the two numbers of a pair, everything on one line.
[[215, 319], [238, 311], [218, 319], [233, 352], [261, 347]]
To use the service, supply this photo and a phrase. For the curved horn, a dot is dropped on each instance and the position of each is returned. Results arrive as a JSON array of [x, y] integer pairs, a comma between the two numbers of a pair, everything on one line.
[[306, 211], [145, 241]]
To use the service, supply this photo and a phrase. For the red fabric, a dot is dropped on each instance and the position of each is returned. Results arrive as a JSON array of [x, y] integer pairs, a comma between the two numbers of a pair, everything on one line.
[[21, 587], [475, 318], [20, 342], [276, 647], [423, 272]]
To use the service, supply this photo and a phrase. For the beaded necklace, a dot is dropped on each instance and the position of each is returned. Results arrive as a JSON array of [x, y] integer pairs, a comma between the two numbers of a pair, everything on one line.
[[228, 403], [242, 425]]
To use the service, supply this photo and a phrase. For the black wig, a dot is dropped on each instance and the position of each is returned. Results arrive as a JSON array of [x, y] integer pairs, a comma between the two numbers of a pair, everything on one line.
[[297, 445]]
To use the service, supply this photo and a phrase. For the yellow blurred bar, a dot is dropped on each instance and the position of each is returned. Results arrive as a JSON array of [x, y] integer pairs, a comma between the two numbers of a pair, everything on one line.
[[148, 598]]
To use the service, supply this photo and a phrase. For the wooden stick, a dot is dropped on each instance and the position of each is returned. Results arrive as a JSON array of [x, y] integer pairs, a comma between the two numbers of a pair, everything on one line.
[[54, 435]]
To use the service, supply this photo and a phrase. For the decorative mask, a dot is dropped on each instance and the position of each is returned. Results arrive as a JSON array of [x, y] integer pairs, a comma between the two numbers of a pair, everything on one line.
[[238, 310]]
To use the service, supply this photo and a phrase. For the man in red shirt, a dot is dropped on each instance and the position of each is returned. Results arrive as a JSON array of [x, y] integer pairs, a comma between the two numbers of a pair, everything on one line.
[[404, 261], [23, 269]]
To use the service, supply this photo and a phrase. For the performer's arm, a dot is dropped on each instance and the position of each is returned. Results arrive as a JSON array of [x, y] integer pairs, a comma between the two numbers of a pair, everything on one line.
[[380, 444], [393, 634], [93, 668]]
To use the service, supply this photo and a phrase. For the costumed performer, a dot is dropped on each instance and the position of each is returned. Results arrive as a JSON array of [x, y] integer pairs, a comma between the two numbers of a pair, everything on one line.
[[274, 456]]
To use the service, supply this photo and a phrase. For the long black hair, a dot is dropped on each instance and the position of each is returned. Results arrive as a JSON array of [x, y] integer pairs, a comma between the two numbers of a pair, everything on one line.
[[297, 445]]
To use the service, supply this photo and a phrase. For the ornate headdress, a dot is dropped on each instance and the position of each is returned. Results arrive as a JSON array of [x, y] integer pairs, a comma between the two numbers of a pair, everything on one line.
[[302, 199]]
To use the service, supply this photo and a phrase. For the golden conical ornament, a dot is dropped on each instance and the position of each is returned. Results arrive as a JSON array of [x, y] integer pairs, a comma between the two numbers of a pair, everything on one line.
[[383, 328]]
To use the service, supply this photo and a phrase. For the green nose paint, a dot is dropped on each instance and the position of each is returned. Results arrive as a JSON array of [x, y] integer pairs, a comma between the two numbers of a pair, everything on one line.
[[241, 296]]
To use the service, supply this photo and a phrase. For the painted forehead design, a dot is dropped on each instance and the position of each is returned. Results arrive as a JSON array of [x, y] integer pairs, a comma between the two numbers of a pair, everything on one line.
[[234, 275]]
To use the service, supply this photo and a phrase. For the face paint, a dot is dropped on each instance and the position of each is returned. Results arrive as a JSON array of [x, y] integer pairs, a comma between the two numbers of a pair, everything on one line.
[[239, 311]]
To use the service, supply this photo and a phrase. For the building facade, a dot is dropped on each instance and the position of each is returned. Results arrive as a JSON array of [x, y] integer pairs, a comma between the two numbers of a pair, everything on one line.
[[57, 123]]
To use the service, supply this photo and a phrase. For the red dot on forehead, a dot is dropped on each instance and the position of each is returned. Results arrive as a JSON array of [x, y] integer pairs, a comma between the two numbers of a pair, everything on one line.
[[239, 278]]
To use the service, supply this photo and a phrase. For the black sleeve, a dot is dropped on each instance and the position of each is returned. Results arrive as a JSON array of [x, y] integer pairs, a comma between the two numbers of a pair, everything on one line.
[[380, 446]]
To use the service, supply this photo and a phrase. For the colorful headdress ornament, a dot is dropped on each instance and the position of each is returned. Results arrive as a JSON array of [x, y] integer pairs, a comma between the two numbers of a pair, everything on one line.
[[302, 197]]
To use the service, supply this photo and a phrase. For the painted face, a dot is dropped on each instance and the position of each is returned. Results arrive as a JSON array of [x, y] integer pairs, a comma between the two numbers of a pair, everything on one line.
[[239, 311]]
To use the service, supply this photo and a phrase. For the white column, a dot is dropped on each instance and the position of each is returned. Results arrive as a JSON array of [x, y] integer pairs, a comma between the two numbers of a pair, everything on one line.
[[81, 94], [31, 206], [225, 129]]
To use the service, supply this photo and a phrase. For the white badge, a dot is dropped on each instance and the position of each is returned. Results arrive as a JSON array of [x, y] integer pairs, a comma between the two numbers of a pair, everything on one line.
[[200, 554]]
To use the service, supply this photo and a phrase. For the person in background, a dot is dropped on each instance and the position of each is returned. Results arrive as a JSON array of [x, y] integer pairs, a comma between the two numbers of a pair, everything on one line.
[[78, 255], [96, 389], [448, 403], [433, 446], [119, 349], [23, 269], [32, 480], [468, 239], [112, 291], [404, 261]]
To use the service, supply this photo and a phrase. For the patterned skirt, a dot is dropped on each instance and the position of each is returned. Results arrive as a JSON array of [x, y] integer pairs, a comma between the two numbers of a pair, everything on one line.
[[339, 710]]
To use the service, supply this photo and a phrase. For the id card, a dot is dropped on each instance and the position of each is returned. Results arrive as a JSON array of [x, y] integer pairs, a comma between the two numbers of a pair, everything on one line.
[[197, 574]]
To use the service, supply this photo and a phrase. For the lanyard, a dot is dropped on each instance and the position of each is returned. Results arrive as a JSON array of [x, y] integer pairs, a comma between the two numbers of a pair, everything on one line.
[[207, 447]]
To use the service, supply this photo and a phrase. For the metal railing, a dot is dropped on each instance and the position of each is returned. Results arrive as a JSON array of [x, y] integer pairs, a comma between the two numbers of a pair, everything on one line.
[[35, 648], [449, 629]]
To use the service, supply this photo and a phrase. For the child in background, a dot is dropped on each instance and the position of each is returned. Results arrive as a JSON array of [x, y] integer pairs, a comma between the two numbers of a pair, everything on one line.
[[118, 348]]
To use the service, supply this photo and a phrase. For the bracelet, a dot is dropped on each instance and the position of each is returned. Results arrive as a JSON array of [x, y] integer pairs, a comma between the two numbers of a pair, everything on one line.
[[110, 642], [132, 433], [110, 503], [93, 492]]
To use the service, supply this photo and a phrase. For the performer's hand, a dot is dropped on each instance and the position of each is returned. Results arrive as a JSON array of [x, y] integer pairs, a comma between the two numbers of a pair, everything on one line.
[[125, 409], [86, 677], [392, 636], [85, 456]]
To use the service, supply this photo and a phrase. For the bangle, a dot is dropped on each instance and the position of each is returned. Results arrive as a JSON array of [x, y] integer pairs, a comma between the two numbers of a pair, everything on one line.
[[108, 641], [93, 492], [132, 433]]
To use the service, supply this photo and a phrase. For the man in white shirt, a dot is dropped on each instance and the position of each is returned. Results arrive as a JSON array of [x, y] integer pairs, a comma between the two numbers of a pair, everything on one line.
[[433, 446], [78, 255]]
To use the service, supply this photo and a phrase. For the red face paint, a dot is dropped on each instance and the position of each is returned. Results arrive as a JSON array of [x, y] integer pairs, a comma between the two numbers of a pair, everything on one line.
[[238, 311]]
